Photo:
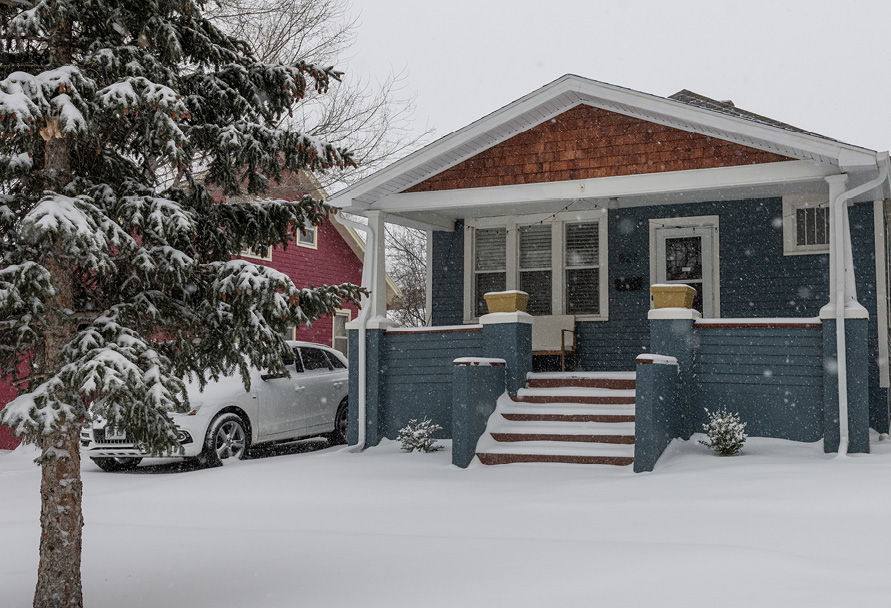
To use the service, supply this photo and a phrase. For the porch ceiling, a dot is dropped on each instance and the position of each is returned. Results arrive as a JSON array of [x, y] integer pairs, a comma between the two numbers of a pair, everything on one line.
[[438, 210]]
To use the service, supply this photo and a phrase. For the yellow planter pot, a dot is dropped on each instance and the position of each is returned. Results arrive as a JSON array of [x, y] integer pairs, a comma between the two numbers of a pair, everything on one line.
[[673, 296], [506, 301]]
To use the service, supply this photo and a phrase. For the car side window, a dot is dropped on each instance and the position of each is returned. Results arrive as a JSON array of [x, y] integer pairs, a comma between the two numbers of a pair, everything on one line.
[[335, 362], [314, 358], [298, 364]]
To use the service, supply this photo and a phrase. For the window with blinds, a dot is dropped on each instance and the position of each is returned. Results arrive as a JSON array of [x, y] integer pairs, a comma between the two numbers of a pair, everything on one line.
[[582, 268], [490, 265], [534, 266]]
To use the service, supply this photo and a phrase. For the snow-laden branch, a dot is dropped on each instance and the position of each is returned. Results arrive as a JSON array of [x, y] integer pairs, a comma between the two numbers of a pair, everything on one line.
[[29, 102]]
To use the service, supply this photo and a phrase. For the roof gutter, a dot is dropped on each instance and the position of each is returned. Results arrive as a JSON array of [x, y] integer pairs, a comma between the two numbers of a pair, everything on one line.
[[362, 320], [839, 209]]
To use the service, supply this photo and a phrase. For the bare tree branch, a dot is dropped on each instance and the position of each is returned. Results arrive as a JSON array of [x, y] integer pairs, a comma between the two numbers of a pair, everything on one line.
[[372, 120], [407, 266]]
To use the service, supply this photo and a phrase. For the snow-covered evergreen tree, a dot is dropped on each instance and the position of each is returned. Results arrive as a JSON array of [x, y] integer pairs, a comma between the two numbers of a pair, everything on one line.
[[117, 277], [418, 435], [726, 432]]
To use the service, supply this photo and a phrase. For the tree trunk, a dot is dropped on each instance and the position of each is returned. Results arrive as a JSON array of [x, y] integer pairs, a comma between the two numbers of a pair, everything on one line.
[[61, 521], [61, 489]]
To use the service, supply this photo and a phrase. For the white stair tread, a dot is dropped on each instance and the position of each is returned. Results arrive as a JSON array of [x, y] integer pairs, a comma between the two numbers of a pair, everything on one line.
[[575, 391], [563, 428], [569, 409], [584, 375], [487, 445]]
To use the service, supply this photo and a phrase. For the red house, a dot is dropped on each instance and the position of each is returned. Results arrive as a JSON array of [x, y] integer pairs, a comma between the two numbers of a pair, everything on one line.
[[329, 254]]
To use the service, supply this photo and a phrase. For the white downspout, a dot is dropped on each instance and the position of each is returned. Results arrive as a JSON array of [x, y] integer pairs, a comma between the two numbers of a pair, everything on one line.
[[362, 319], [842, 238]]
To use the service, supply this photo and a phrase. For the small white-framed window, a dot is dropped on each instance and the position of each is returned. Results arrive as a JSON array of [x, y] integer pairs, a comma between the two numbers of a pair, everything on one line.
[[559, 259], [805, 224], [339, 335], [309, 237], [290, 333], [258, 253]]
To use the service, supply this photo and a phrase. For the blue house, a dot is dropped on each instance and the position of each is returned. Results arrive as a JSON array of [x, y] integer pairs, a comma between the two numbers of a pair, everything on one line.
[[585, 195]]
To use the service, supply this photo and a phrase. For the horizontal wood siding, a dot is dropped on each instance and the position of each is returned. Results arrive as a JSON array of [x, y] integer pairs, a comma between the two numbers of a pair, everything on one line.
[[864, 252], [448, 276], [773, 377], [418, 375], [757, 280]]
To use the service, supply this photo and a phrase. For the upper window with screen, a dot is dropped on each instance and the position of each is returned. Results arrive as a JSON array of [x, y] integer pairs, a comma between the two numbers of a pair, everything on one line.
[[805, 224], [308, 237]]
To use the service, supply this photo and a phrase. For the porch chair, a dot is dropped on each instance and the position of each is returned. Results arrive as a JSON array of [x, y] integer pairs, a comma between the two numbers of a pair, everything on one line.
[[556, 335]]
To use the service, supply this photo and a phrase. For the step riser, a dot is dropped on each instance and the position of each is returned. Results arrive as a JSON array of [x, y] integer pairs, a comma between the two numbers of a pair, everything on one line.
[[574, 399], [581, 383], [567, 418], [563, 443], [514, 437], [510, 458]]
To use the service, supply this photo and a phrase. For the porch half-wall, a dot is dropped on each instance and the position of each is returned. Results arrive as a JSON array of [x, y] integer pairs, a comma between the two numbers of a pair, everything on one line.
[[756, 279]]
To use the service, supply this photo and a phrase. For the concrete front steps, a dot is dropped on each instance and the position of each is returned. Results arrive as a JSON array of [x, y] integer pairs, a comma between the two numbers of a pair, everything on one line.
[[570, 417]]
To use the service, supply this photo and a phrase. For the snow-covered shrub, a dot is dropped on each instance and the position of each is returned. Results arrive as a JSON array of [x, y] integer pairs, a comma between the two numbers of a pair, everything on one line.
[[726, 432], [416, 436]]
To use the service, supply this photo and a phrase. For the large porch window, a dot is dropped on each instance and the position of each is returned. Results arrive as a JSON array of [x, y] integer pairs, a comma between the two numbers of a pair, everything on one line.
[[560, 261]]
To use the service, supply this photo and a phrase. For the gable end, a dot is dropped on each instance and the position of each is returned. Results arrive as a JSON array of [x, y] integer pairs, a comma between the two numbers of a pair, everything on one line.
[[585, 143]]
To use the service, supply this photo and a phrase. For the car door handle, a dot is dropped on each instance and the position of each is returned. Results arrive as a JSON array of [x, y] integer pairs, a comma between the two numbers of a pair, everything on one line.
[[338, 384], [298, 388]]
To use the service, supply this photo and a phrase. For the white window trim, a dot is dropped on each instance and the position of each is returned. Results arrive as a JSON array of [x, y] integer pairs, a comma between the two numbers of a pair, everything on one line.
[[791, 204], [693, 221], [291, 333], [349, 317], [247, 253], [313, 230], [557, 256]]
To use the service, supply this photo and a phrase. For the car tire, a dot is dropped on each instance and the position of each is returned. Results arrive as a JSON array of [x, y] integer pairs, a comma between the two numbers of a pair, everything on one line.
[[112, 465], [341, 419], [226, 438]]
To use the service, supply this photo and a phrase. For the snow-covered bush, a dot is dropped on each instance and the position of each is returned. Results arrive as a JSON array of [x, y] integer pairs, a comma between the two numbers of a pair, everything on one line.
[[726, 432], [417, 436]]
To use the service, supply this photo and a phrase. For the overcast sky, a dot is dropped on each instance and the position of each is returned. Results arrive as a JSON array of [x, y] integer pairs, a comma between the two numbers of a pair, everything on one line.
[[819, 65]]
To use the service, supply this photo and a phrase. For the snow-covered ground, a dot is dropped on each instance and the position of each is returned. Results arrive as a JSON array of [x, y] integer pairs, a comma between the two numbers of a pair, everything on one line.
[[780, 525]]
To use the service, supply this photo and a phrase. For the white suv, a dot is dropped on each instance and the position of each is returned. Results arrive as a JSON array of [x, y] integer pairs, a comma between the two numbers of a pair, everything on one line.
[[225, 420]]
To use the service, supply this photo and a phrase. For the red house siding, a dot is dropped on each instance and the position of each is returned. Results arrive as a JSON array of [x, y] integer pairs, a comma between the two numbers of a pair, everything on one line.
[[8, 441], [332, 263]]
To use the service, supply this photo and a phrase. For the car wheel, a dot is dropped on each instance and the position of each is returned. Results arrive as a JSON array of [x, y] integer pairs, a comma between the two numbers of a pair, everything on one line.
[[226, 438], [341, 419], [117, 464]]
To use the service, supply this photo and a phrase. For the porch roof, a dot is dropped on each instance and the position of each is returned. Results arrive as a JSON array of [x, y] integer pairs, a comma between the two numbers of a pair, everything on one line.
[[818, 156]]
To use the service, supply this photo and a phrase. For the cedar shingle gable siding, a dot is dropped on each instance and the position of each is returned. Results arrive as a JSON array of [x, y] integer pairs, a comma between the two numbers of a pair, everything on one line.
[[587, 142]]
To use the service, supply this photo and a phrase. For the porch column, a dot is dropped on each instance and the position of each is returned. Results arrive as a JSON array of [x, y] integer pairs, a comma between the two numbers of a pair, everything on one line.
[[378, 276]]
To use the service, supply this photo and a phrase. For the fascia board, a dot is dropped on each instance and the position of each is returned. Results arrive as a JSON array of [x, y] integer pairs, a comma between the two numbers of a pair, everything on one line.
[[609, 187], [454, 140], [663, 110]]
